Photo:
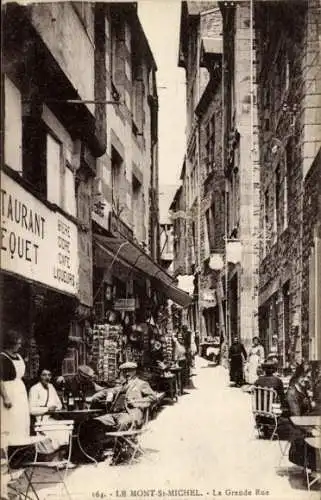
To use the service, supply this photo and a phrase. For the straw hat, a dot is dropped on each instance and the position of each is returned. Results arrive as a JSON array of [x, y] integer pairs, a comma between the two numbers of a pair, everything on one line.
[[129, 365]]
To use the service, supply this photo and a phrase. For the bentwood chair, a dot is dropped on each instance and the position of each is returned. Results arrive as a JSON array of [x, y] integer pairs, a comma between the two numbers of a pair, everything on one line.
[[264, 400], [9, 477]]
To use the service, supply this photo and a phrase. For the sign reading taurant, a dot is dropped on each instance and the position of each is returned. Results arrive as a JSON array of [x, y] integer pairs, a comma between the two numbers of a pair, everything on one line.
[[36, 242]]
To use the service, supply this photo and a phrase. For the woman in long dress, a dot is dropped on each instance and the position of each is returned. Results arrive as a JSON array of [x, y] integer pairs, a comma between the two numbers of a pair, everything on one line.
[[15, 417], [237, 356], [255, 359]]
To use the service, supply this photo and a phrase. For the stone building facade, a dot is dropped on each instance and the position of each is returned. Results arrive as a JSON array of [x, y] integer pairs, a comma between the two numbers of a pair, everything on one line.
[[212, 190], [126, 208], [127, 176], [311, 263], [53, 135], [200, 52], [288, 76], [242, 171]]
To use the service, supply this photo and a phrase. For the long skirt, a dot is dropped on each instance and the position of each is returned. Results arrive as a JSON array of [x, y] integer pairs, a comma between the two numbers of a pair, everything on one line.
[[236, 370], [251, 369], [302, 454], [15, 421]]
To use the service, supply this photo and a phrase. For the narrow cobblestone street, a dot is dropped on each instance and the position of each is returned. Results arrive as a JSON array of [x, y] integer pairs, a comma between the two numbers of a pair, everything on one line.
[[205, 442]]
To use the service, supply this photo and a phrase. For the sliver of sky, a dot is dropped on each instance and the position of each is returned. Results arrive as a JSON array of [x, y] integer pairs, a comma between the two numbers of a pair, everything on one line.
[[161, 22]]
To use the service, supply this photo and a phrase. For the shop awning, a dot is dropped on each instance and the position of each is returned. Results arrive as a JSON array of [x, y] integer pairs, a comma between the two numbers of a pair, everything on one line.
[[126, 251]]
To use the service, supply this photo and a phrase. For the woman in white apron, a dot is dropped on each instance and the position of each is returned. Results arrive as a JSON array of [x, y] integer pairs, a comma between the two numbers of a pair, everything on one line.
[[255, 359], [15, 417]]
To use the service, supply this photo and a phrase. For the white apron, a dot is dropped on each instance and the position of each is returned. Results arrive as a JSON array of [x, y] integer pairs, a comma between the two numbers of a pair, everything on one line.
[[16, 420], [255, 359]]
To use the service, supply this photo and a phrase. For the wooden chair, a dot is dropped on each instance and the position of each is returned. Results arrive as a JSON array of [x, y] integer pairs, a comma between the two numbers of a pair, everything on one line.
[[263, 405], [59, 467]]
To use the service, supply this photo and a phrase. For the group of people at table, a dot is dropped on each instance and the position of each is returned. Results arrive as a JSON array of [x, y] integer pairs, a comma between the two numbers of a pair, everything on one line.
[[117, 408], [297, 401]]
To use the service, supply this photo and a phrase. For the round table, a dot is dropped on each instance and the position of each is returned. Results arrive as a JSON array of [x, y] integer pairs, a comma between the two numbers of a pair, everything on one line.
[[79, 417]]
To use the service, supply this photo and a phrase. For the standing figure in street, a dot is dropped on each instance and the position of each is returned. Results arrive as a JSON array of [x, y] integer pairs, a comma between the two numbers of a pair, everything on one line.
[[15, 418], [180, 357], [255, 359], [237, 355]]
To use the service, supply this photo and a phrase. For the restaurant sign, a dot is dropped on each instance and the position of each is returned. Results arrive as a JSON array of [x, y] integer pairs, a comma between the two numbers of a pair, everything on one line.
[[36, 242]]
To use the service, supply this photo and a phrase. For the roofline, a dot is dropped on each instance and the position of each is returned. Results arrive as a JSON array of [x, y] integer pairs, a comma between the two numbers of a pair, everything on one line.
[[131, 9]]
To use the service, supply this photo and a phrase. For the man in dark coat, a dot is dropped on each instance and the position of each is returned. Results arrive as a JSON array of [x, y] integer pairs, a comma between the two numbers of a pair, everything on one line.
[[272, 381], [237, 355]]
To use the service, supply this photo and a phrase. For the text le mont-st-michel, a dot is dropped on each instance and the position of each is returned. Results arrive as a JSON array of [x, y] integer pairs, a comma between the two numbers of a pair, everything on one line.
[[191, 493]]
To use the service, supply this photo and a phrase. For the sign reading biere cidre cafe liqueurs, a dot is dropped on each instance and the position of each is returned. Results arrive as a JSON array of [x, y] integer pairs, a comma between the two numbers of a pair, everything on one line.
[[36, 242]]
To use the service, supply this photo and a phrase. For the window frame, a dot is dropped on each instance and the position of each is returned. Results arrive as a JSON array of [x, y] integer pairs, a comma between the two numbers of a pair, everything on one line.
[[55, 138], [210, 216]]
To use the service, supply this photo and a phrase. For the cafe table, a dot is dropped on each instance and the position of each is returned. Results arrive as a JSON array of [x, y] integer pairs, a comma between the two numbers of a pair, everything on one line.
[[307, 421], [79, 417]]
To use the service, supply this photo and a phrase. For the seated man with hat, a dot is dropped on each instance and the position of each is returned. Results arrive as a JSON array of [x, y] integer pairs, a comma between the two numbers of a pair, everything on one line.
[[127, 409], [137, 395], [84, 382]]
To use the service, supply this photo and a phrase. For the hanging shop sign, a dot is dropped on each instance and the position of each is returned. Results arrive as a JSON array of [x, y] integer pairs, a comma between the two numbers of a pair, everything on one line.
[[125, 304], [208, 299], [216, 262], [36, 242], [101, 211], [233, 251]]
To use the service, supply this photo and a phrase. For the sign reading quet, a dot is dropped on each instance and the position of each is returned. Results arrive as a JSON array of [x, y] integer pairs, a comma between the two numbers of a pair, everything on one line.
[[36, 242]]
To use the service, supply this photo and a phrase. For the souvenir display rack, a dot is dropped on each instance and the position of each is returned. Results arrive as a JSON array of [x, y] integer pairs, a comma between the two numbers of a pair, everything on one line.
[[106, 347]]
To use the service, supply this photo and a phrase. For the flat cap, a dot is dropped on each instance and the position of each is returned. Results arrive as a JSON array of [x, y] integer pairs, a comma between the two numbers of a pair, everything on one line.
[[129, 365], [86, 371]]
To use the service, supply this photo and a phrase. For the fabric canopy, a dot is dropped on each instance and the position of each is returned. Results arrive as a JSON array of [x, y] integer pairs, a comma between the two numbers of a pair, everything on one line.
[[125, 251]]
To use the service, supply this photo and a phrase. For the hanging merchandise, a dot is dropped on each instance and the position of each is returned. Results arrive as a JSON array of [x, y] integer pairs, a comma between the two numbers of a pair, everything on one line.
[[106, 348], [33, 359], [134, 348]]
